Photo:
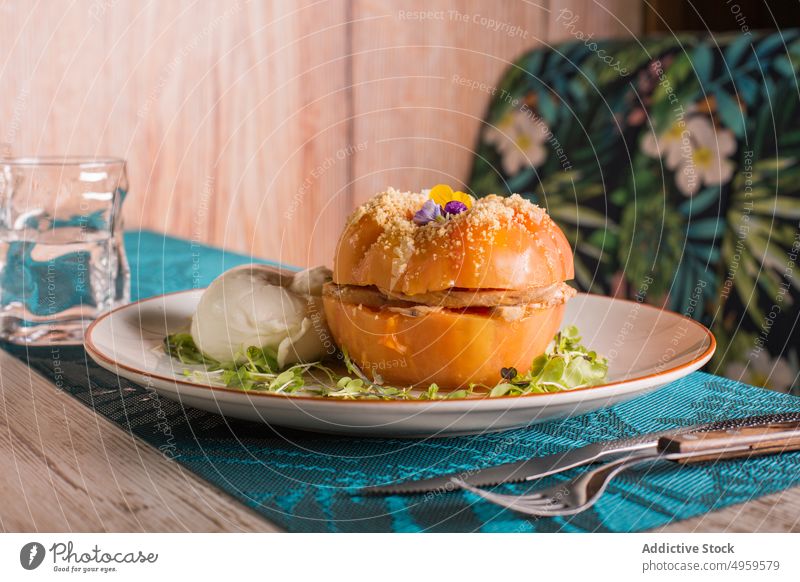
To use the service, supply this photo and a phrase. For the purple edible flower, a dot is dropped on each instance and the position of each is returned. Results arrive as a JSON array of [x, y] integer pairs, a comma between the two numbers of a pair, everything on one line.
[[429, 212], [454, 207]]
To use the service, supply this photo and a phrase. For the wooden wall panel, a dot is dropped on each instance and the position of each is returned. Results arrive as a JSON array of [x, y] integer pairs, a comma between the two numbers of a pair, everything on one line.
[[612, 18], [409, 60], [258, 124], [226, 111]]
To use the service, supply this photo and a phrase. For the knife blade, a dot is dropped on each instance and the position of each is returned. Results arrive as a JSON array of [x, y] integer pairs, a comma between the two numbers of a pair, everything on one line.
[[538, 467]]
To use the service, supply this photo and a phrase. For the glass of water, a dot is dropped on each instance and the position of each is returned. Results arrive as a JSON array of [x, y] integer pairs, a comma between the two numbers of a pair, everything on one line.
[[62, 259]]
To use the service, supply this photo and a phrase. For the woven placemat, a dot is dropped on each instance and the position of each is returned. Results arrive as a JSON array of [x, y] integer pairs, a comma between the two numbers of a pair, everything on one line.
[[307, 482]]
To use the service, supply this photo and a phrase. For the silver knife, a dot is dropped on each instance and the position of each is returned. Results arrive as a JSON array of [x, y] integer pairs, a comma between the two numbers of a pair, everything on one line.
[[538, 467]]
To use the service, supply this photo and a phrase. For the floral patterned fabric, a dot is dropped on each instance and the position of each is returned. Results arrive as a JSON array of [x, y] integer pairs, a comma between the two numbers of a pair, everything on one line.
[[674, 171]]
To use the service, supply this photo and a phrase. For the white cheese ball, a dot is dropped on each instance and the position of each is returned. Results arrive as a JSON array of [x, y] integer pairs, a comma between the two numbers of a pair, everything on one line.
[[247, 307]]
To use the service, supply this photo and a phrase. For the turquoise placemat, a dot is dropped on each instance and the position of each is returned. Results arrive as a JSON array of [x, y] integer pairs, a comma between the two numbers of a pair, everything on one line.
[[306, 482]]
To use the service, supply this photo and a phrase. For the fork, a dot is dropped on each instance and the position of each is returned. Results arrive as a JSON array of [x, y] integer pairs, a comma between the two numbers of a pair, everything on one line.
[[582, 492]]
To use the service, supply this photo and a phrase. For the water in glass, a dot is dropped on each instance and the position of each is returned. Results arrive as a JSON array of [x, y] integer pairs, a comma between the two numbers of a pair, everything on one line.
[[62, 259]]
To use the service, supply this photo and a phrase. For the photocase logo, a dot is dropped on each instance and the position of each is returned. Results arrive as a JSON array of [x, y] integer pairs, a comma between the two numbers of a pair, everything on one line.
[[31, 555]]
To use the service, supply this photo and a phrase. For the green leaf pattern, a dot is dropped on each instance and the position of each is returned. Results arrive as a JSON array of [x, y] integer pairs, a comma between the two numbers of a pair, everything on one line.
[[724, 251]]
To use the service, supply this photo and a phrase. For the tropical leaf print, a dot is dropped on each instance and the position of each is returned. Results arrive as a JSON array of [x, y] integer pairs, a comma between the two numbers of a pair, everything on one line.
[[613, 175], [592, 234], [763, 228]]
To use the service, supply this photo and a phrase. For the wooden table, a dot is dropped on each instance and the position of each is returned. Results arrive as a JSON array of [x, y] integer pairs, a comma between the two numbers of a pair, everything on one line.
[[65, 468]]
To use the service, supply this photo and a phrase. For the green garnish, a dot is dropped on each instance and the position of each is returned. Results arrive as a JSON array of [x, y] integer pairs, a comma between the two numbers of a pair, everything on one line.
[[566, 365], [181, 346]]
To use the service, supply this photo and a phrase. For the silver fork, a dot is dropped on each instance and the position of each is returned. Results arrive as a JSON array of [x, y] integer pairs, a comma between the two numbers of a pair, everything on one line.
[[582, 492], [566, 498]]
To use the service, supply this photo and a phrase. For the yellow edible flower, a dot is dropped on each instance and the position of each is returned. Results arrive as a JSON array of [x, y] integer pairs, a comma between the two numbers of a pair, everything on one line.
[[442, 194]]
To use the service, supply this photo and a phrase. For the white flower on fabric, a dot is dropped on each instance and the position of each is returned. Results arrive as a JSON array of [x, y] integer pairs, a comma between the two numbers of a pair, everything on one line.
[[696, 151], [667, 145], [520, 137], [763, 370]]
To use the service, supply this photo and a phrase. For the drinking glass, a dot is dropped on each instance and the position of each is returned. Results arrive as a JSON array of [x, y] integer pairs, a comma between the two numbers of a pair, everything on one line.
[[62, 259]]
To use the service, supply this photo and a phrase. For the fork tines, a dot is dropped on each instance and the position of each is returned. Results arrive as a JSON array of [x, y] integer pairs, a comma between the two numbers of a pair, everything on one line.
[[537, 504]]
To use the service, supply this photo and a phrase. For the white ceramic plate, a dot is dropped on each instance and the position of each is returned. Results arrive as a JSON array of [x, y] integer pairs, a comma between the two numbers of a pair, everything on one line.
[[647, 348]]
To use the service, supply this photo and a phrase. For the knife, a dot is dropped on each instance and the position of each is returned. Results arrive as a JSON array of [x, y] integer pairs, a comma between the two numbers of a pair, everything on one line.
[[538, 467]]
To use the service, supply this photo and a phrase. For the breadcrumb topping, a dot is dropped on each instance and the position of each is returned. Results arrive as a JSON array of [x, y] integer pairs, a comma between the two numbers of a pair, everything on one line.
[[393, 211], [389, 207]]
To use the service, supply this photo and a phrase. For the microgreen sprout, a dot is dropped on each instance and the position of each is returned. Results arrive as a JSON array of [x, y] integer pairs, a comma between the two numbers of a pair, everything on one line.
[[565, 365]]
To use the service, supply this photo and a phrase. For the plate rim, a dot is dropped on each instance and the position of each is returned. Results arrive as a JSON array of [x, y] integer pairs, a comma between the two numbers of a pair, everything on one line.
[[96, 355]]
